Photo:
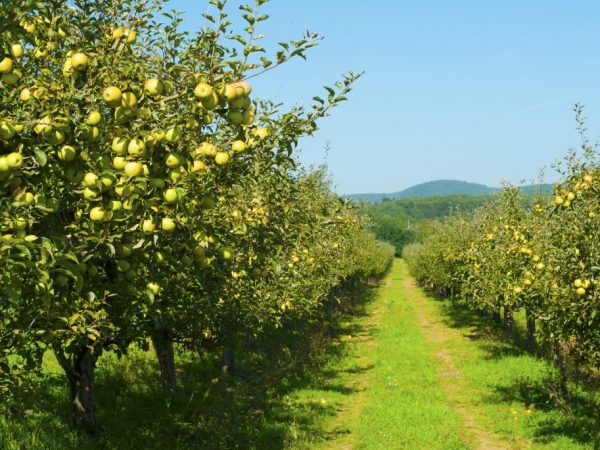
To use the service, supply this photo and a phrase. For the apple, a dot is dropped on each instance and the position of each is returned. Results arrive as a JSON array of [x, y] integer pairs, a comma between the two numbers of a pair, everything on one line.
[[157, 183], [123, 191], [581, 291], [148, 226], [154, 87], [170, 195], [229, 92], [261, 133], [12, 78], [235, 117], [42, 53], [14, 160], [174, 159], [16, 50], [130, 35], [158, 136], [123, 265], [167, 224], [115, 205], [66, 153], [20, 223], [90, 179], [128, 99], [4, 165], [203, 91], [117, 33], [239, 146], [112, 95], [90, 133], [173, 135], [136, 147], [97, 214], [119, 145], [7, 130], [246, 86], [79, 60], [25, 95], [107, 181], [134, 169], [57, 137], [208, 149], [93, 118], [29, 198], [153, 287], [90, 194], [6, 65], [210, 102], [248, 116], [198, 166], [222, 158], [227, 253], [119, 162]]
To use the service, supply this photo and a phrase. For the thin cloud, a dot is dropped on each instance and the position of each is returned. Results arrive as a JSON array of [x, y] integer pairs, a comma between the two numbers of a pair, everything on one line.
[[534, 108]]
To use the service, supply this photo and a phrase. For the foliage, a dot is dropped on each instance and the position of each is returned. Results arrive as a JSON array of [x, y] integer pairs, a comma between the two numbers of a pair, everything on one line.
[[542, 260], [146, 195]]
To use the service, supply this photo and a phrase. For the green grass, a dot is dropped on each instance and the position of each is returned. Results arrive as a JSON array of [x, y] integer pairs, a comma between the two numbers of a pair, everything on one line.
[[503, 382], [363, 375]]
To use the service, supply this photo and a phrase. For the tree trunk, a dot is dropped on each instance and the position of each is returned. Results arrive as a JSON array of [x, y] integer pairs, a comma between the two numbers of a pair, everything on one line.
[[508, 318], [531, 342], [496, 315], [561, 363], [163, 345], [227, 361], [79, 369]]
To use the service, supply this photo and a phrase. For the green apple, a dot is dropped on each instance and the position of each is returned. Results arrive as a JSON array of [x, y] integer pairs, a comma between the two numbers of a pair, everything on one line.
[[97, 214], [167, 224], [136, 147], [79, 60], [170, 195], [90, 194], [93, 118], [158, 183], [112, 95], [174, 159], [203, 91], [7, 130], [154, 87], [119, 145], [66, 153], [90, 179], [148, 226], [173, 134], [12, 78], [14, 160], [235, 117], [119, 162], [128, 100], [153, 287], [26, 95]]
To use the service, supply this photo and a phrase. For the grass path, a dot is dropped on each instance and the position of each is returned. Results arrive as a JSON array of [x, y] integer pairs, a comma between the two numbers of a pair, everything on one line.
[[424, 374]]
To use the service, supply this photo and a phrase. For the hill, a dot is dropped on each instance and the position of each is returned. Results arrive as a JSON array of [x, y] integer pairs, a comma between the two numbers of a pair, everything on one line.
[[444, 188]]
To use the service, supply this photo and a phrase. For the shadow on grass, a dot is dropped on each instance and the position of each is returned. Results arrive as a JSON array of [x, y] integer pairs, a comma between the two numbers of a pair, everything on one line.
[[256, 408], [577, 417]]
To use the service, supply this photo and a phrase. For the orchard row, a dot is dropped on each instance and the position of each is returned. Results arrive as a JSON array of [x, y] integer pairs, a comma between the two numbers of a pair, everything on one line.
[[146, 197], [544, 260]]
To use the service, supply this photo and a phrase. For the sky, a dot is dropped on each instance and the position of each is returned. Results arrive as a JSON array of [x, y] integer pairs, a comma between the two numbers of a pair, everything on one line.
[[480, 91]]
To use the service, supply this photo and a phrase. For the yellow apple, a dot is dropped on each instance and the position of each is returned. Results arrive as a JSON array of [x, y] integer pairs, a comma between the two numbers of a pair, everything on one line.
[[239, 146], [14, 160], [119, 145], [134, 169], [119, 162], [170, 195], [16, 50], [6, 65], [222, 158], [136, 147], [167, 224], [93, 118], [203, 91]]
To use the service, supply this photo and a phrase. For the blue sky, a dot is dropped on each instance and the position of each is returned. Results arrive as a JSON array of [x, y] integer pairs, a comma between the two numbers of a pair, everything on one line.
[[474, 90]]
